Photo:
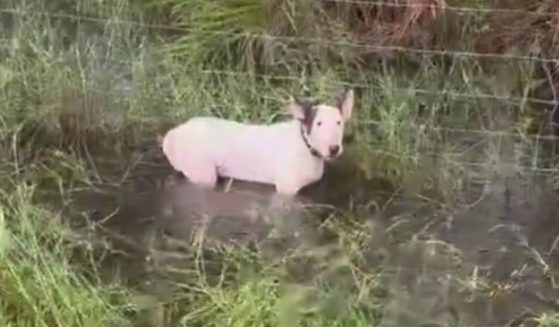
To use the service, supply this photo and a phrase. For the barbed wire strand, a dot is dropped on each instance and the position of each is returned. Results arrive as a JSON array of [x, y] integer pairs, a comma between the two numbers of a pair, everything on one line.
[[458, 9], [469, 131], [468, 96], [371, 47], [449, 159]]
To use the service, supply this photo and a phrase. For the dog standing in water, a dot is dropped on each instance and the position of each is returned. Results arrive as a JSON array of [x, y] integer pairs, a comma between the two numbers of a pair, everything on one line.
[[289, 155]]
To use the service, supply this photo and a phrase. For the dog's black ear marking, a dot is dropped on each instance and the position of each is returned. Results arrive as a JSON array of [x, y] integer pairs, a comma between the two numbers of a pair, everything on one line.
[[307, 109], [309, 115]]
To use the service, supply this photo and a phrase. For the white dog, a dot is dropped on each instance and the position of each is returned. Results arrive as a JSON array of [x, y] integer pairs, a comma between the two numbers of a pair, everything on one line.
[[289, 155]]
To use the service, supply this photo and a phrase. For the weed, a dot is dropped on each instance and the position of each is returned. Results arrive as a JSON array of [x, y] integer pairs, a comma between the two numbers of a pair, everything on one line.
[[40, 286]]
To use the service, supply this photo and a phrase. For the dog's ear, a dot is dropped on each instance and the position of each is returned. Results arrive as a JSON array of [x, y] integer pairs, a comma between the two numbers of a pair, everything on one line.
[[295, 108], [344, 102]]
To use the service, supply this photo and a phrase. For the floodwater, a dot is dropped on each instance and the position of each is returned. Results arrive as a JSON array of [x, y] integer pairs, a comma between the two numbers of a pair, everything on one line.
[[488, 259]]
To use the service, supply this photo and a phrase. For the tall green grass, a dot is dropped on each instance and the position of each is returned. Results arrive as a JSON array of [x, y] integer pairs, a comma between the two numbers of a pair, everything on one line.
[[41, 286]]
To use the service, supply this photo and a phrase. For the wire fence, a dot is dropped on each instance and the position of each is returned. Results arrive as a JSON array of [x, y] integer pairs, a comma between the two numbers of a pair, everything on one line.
[[520, 101], [428, 52], [457, 9], [345, 44], [454, 159], [447, 94]]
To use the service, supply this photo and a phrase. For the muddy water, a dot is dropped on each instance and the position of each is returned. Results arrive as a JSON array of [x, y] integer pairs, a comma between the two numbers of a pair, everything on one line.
[[489, 262], [485, 260], [154, 217]]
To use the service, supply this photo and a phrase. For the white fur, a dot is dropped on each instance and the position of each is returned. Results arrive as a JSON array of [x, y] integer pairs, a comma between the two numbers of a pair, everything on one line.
[[205, 147]]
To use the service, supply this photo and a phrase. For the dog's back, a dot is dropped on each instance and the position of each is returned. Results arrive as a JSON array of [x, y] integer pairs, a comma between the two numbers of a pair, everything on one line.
[[237, 150]]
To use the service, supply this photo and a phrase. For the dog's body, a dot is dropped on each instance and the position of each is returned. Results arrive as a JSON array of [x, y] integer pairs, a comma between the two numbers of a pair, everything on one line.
[[206, 147], [289, 155]]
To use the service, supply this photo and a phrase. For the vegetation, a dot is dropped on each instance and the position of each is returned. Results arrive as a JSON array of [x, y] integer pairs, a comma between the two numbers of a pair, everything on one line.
[[87, 86]]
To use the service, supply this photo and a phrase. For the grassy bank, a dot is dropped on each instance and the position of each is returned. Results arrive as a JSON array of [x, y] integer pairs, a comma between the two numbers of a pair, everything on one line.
[[82, 102]]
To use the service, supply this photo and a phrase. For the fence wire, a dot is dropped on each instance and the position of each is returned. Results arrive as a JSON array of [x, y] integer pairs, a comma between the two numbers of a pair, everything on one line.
[[520, 101], [318, 41], [457, 9], [428, 52]]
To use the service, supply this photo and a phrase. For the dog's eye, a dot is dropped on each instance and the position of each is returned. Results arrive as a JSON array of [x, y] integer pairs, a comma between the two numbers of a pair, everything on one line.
[[318, 123]]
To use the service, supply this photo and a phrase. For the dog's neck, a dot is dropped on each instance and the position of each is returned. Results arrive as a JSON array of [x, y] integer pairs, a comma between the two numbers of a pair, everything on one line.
[[311, 149]]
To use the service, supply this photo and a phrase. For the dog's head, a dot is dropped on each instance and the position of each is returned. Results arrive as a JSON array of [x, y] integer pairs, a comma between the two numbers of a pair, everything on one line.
[[323, 124]]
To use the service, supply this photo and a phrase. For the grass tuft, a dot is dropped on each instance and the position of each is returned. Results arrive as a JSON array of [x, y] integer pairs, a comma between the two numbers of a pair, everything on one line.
[[40, 285]]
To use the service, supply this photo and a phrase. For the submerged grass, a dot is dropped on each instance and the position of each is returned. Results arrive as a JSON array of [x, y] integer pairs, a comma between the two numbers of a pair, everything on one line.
[[81, 102]]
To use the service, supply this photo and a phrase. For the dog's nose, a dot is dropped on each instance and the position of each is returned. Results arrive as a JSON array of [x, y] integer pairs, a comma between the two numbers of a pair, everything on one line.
[[334, 150]]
